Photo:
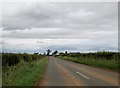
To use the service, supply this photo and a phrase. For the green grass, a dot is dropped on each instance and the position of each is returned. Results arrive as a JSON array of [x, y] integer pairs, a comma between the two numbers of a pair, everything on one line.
[[24, 74], [103, 63]]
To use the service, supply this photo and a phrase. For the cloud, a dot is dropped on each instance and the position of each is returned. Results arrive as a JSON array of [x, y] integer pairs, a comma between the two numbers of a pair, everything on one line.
[[65, 15], [32, 45], [58, 20], [93, 24]]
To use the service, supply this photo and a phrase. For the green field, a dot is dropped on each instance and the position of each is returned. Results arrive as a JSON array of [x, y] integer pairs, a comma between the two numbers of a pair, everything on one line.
[[24, 73], [106, 60]]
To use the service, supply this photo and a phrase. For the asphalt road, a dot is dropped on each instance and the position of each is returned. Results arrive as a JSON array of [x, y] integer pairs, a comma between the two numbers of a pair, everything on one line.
[[65, 73]]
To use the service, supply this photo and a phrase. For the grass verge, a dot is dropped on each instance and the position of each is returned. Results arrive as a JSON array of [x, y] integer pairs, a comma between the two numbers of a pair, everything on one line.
[[24, 74], [103, 63]]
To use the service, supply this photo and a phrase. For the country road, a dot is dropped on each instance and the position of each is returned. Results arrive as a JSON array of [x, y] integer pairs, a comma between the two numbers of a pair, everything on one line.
[[65, 73]]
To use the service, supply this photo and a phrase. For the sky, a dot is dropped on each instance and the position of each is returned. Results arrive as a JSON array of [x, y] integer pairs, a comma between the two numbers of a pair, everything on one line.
[[63, 26]]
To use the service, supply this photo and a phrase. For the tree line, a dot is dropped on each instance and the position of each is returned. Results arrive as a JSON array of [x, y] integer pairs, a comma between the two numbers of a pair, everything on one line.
[[96, 55], [11, 59]]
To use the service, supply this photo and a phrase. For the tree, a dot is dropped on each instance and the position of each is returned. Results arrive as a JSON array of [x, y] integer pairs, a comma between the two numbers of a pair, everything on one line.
[[48, 52], [66, 52], [55, 52], [36, 53]]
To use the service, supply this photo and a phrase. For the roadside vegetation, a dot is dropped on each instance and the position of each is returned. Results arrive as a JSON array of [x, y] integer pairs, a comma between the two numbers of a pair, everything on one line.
[[22, 69], [107, 60]]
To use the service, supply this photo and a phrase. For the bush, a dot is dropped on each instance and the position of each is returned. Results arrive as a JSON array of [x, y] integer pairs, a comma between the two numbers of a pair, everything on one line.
[[97, 55], [109, 60], [11, 59]]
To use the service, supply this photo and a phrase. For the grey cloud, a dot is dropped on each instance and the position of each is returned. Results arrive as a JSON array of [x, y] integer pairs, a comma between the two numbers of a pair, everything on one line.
[[82, 47], [57, 15], [94, 21], [40, 42]]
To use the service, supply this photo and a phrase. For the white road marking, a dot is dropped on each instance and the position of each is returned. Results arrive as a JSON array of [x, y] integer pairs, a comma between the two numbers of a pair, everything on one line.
[[82, 75]]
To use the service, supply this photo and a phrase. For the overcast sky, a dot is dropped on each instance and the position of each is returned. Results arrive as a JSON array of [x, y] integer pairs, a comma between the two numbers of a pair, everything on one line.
[[76, 26]]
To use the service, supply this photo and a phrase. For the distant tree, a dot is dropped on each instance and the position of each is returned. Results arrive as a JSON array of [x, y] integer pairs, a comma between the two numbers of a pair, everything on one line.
[[55, 52], [66, 52], [36, 53], [48, 52]]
